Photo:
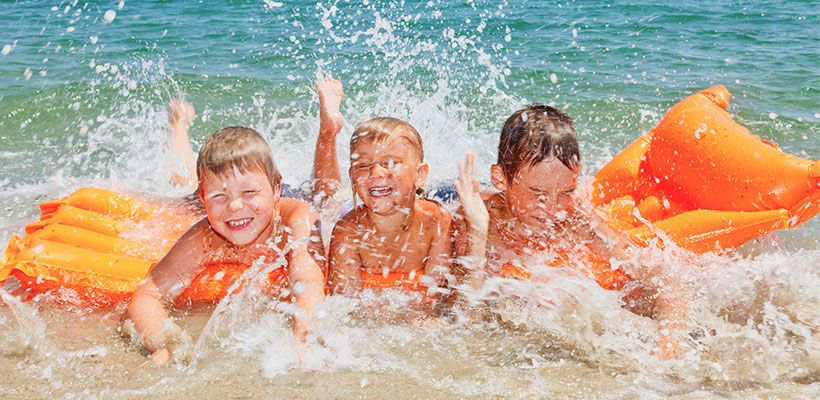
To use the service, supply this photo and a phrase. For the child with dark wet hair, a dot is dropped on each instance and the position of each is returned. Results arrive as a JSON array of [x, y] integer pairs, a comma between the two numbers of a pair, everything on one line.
[[533, 219]]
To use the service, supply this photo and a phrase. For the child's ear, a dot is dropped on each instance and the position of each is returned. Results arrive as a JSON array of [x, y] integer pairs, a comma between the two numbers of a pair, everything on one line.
[[498, 178], [277, 192], [421, 174]]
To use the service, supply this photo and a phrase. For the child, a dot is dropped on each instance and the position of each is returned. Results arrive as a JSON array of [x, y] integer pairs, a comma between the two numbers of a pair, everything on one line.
[[240, 187], [533, 214], [396, 237]]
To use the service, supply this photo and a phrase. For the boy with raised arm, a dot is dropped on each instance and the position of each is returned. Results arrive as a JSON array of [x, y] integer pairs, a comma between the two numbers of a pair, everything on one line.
[[532, 220]]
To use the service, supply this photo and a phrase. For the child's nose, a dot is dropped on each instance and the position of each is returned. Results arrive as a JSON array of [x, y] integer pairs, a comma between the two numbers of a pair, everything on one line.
[[548, 203], [377, 170], [235, 204]]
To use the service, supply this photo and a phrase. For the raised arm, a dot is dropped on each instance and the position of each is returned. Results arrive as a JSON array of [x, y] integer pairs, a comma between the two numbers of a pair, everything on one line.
[[325, 161], [470, 227], [345, 265], [180, 115], [167, 279], [306, 269]]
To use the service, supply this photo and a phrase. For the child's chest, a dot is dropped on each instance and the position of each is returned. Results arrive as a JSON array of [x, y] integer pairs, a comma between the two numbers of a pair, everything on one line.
[[402, 251], [505, 245], [221, 251]]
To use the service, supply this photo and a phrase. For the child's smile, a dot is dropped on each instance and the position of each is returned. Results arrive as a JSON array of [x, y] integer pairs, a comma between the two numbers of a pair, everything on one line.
[[385, 175], [240, 207]]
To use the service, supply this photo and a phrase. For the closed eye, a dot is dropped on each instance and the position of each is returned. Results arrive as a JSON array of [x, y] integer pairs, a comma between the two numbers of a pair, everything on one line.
[[216, 197], [362, 167]]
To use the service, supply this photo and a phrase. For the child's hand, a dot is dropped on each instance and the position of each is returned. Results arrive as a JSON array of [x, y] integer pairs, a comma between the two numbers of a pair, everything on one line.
[[330, 97], [160, 356], [474, 208], [180, 113]]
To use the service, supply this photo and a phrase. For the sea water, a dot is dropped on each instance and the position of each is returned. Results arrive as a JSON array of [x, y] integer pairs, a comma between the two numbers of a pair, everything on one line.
[[84, 87]]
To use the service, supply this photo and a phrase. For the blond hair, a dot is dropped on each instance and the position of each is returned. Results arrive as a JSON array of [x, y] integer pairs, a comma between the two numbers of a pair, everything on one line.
[[236, 148], [381, 128]]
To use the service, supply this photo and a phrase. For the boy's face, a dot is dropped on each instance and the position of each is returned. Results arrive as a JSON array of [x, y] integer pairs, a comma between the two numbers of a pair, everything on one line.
[[386, 173], [240, 207], [539, 193]]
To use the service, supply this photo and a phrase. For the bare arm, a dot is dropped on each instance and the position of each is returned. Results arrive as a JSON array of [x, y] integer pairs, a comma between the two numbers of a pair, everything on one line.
[[345, 264], [438, 264], [306, 269], [672, 299], [471, 226], [172, 274], [325, 161]]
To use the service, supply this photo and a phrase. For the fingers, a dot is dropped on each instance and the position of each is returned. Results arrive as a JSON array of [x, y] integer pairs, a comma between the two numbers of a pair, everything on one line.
[[459, 190], [470, 162], [161, 356]]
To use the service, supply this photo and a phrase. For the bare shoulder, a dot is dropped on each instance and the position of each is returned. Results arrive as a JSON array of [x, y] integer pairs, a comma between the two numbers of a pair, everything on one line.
[[434, 210], [296, 212], [351, 222], [200, 235]]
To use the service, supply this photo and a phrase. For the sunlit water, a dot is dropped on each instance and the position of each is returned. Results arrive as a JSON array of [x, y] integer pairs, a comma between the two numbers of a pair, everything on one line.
[[83, 91]]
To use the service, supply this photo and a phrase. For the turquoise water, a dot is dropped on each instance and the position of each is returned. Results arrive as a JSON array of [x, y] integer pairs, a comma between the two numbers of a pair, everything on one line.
[[82, 102]]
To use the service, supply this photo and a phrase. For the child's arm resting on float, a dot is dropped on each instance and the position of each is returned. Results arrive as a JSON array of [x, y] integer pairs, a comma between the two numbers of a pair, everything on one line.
[[470, 228], [167, 279], [306, 269], [345, 264]]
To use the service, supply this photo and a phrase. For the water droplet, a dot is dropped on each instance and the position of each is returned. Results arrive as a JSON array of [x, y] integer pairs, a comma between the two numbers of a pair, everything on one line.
[[6, 50], [109, 16], [94, 39], [553, 78], [772, 115]]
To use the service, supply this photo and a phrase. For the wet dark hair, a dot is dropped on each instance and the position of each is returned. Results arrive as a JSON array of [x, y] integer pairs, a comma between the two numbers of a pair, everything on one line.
[[534, 134]]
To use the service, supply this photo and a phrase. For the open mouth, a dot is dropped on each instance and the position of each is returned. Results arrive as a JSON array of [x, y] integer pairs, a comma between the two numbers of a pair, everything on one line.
[[239, 224], [381, 191]]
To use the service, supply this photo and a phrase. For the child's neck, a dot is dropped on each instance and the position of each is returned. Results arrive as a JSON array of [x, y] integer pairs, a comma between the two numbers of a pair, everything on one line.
[[393, 223]]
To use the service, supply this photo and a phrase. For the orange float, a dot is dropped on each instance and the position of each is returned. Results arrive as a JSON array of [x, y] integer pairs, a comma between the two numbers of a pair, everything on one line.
[[580, 258], [702, 181], [101, 244], [212, 284], [698, 179], [405, 280]]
